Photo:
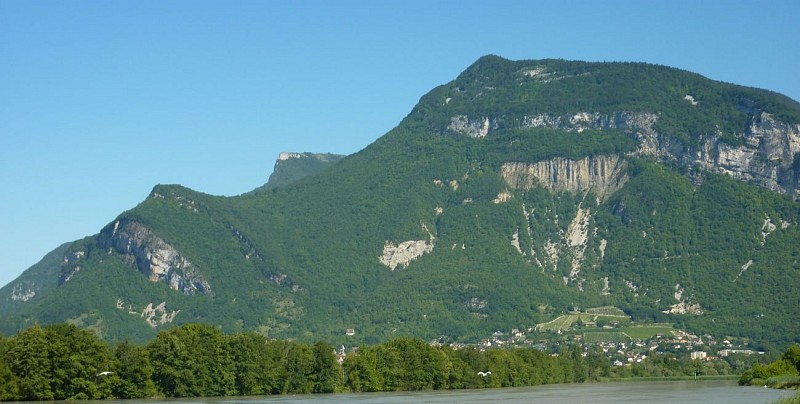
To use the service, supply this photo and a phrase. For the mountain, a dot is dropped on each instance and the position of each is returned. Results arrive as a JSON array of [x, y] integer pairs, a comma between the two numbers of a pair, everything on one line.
[[290, 167], [517, 192]]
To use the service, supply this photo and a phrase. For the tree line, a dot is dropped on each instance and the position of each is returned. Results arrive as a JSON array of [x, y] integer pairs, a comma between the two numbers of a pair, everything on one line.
[[782, 373], [62, 361]]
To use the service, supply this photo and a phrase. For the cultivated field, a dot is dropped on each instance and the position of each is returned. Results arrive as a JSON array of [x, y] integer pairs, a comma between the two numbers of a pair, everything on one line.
[[606, 311], [647, 331], [594, 337], [565, 322]]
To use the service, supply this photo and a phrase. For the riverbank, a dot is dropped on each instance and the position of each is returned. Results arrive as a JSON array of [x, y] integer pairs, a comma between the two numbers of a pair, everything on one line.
[[656, 392], [667, 378], [795, 399]]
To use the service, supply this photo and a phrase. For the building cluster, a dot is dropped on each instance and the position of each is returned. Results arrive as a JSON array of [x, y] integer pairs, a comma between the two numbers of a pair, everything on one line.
[[621, 353]]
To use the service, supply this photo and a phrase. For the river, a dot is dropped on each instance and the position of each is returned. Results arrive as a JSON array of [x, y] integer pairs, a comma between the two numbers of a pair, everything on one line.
[[683, 392]]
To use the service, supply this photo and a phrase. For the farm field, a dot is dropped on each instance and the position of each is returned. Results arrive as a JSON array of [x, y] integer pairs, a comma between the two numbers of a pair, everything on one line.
[[565, 322], [607, 311], [561, 323], [647, 331], [594, 337], [624, 331]]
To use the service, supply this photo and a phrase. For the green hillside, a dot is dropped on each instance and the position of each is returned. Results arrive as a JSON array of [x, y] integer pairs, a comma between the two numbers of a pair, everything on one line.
[[506, 198], [293, 166]]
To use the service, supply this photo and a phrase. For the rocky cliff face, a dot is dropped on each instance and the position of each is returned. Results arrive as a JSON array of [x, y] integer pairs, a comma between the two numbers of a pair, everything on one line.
[[600, 174], [152, 256], [766, 157], [463, 125], [627, 121], [403, 253]]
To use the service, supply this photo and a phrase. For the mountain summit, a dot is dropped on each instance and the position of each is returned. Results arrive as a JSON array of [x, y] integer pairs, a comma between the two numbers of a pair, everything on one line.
[[513, 194]]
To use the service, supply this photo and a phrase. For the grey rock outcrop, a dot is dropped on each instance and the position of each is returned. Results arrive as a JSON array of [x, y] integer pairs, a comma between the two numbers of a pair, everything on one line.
[[602, 175], [627, 121], [472, 128], [20, 294], [403, 253], [153, 257], [766, 156]]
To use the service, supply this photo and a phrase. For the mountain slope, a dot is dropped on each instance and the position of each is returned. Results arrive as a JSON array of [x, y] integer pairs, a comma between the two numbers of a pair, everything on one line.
[[514, 193], [290, 167]]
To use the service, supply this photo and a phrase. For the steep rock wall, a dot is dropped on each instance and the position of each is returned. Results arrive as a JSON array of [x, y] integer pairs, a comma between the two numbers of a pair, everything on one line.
[[153, 257], [602, 175], [628, 121], [767, 156]]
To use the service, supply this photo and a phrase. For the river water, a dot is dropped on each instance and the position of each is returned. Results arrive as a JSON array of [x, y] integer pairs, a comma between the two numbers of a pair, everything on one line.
[[683, 392]]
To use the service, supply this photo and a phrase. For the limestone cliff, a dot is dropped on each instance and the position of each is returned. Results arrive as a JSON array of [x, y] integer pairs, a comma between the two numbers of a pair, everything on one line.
[[153, 257], [403, 253], [765, 157], [472, 128], [627, 121], [601, 175]]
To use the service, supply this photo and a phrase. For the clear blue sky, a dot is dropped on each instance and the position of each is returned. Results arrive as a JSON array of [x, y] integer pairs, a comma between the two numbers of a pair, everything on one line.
[[102, 100]]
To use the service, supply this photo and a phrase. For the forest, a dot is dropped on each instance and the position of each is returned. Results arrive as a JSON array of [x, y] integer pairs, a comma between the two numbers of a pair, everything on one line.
[[62, 361]]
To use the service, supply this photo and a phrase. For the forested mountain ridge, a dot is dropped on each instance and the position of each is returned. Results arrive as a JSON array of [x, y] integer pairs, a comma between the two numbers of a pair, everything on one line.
[[290, 167], [512, 194]]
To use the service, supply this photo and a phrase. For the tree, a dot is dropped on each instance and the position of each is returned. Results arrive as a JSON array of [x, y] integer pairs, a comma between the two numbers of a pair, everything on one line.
[[28, 361], [299, 364], [192, 361], [579, 368], [458, 374], [597, 363], [372, 368], [133, 371], [421, 366], [8, 382], [256, 363], [77, 357], [792, 355], [326, 369]]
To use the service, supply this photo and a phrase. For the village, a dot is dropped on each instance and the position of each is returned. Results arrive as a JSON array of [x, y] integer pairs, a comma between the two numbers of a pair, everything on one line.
[[607, 329], [621, 351]]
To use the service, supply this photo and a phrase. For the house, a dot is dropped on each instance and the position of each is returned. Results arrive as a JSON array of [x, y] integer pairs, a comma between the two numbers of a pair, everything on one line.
[[350, 331]]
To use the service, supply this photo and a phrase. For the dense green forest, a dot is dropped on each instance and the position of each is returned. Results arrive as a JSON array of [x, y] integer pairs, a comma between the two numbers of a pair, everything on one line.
[[61, 361]]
